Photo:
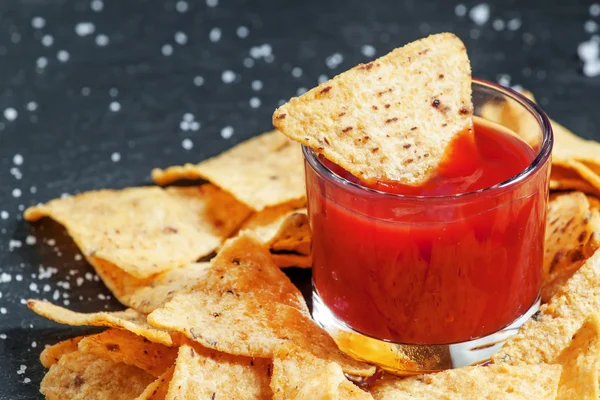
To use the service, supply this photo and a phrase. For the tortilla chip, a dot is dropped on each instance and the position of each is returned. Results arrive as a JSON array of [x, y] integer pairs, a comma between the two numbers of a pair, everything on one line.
[[572, 232], [249, 307], [157, 390], [52, 354], [594, 202], [145, 295], [79, 376], [297, 374], [264, 171], [580, 378], [281, 228], [573, 184], [538, 382], [549, 331], [129, 320], [123, 346], [391, 119], [286, 260], [143, 230], [206, 374]]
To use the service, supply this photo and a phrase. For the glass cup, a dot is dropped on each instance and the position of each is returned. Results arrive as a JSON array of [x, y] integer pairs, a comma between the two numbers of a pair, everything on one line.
[[424, 283]]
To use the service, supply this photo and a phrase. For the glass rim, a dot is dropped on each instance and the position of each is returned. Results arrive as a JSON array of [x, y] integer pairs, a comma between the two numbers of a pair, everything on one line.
[[540, 159]]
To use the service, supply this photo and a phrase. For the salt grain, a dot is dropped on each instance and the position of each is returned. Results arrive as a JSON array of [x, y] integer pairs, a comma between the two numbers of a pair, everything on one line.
[[242, 32], [5, 277], [4, 214], [214, 35], [194, 125], [595, 10], [56, 295], [31, 106], [46, 288], [212, 3], [47, 40], [322, 78], [228, 76], [248, 62], [18, 277], [3, 336], [181, 38], [26, 380], [115, 157], [254, 102], [181, 6], [588, 51], [592, 69], [30, 240], [480, 14], [514, 24], [102, 40], [262, 51], [256, 85], [184, 126], [16, 192], [62, 56], [51, 242], [10, 114], [22, 369], [227, 132], [296, 72], [2, 310], [590, 26], [97, 5], [300, 91], [14, 244], [198, 80], [166, 50], [85, 28], [33, 287], [498, 24], [114, 106], [78, 257], [187, 144], [79, 281], [38, 22], [367, 50], [334, 60], [18, 159], [41, 62], [460, 10], [86, 91]]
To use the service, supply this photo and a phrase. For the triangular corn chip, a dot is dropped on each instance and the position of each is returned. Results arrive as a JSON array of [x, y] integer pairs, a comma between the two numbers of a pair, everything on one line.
[[549, 331], [572, 235], [51, 355], [539, 382], [204, 374], [129, 320], [264, 171], [581, 363], [145, 295], [122, 346], [79, 376], [146, 230], [391, 119], [297, 374], [157, 390], [249, 307]]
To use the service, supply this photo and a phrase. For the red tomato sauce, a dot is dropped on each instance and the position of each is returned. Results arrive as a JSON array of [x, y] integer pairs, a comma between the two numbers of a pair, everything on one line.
[[433, 272]]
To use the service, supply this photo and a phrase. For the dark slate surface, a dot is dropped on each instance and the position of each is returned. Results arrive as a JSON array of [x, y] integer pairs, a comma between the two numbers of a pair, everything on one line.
[[96, 111]]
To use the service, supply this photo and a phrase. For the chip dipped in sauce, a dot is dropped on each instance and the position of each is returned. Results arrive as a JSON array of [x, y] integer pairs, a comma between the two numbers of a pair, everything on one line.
[[438, 268]]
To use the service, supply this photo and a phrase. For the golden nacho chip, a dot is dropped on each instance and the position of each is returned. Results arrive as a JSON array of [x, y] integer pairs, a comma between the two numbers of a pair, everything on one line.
[[145, 295], [79, 376], [157, 390], [264, 171], [282, 228], [286, 260], [391, 119], [129, 320], [572, 233], [549, 331], [123, 346], [594, 202], [297, 374], [52, 354], [573, 184], [144, 230], [580, 377], [582, 171], [249, 307], [206, 374], [538, 382]]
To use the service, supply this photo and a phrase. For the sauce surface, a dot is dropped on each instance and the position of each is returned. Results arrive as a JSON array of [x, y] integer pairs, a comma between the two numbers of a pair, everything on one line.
[[450, 271]]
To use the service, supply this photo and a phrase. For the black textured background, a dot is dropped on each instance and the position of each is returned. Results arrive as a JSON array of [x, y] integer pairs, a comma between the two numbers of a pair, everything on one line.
[[67, 137]]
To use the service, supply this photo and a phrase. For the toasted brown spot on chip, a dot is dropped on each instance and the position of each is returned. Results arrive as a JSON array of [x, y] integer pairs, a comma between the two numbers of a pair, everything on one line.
[[387, 121], [325, 89], [281, 116], [348, 129], [407, 146]]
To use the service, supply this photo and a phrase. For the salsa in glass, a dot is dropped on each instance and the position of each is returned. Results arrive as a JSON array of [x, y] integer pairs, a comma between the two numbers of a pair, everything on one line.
[[454, 259]]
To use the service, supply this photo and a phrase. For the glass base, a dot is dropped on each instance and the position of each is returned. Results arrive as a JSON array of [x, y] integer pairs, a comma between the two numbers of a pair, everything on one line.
[[409, 359]]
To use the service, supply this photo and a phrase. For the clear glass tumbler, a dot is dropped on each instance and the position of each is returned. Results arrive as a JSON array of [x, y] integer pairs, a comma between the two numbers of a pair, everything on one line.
[[424, 283]]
